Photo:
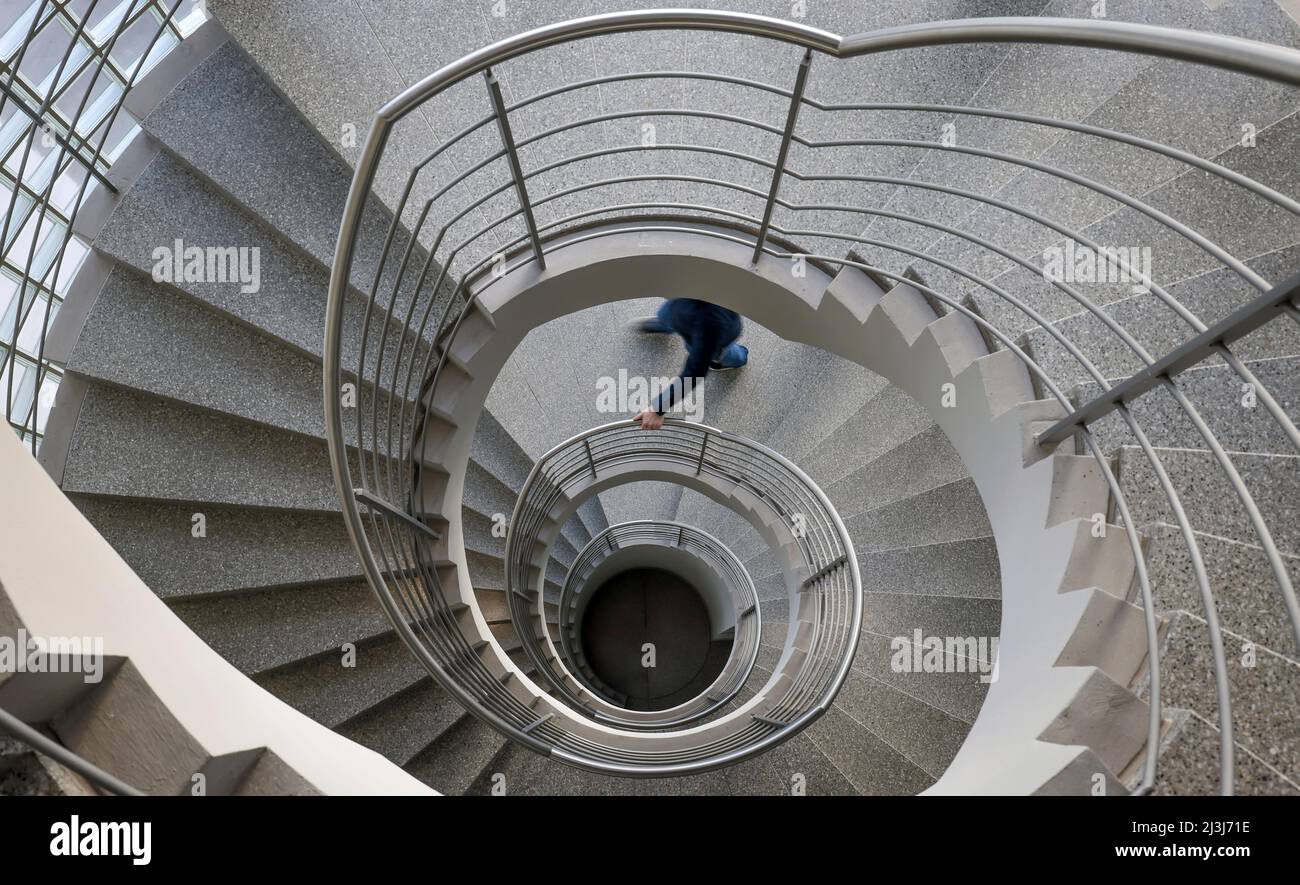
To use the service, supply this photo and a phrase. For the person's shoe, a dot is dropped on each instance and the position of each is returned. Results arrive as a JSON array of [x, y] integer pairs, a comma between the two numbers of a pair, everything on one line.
[[733, 357], [651, 325]]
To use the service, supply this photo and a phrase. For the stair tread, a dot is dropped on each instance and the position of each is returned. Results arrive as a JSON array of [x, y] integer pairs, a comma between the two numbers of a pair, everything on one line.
[[402, 726], [1208, 204], [266, 629], [1056, 81], [455, 760], [1246, 595], [245, 548], [290, 304], [509, 772], [135, 446], [140, 335], [959, 694], [1211, 295], [1214, 507], [1183, 770], [954, 568], [1262, 695], [168, 198], [495, 452], [1220, 398], [152, 340], [751, 777], [871, 765], [841, 389], [331, 693], [934, 615], [801, 763], [950, 512], [923, 462], [229, 122], [927, 736], [884, 421]]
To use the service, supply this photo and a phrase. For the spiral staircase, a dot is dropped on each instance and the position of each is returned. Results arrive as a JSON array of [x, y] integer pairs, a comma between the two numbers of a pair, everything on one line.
[[1082, 489]]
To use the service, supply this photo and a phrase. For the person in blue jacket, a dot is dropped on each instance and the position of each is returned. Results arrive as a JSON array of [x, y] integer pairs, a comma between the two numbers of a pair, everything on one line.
[[710, 333]]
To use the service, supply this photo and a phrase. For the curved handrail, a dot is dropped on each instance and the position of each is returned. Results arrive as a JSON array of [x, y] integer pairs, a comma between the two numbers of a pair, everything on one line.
[[1231, 53], [1201, 47]]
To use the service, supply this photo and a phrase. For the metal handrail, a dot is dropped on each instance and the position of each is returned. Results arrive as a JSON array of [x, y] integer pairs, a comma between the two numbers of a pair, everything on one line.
[[720, 561], [61, 754], [400, 477]]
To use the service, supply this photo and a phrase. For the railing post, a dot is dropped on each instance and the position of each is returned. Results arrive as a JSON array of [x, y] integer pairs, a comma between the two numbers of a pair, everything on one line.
[[512, 157], [791, 117]]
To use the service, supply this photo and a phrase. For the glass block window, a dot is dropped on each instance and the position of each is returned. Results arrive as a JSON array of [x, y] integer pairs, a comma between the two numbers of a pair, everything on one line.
[[65, 67]]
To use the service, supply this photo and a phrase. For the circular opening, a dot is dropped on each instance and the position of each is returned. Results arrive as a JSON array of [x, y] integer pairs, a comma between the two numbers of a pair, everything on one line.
[[646, 634]]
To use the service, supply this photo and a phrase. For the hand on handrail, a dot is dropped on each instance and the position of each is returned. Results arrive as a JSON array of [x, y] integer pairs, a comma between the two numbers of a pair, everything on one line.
[[650, 420]]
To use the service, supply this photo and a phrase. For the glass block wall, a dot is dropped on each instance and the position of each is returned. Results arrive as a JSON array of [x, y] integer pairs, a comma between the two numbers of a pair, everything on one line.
[[65, 68]]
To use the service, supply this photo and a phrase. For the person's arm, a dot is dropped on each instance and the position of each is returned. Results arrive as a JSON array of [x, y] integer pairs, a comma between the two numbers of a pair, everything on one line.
[[698, 357]]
